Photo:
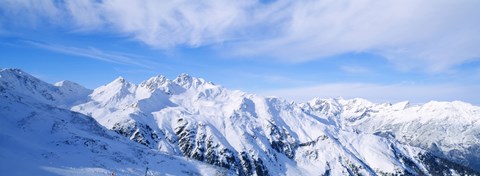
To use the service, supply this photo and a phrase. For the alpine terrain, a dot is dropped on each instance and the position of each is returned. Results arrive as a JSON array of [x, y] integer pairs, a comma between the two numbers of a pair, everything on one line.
[[189, 126]]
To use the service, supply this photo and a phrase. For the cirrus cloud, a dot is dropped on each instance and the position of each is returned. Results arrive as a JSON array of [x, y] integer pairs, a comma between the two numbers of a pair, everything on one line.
[[431, 35]]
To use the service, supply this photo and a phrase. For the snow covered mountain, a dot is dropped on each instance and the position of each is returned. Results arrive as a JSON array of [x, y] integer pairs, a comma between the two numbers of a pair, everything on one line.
[[63, 94], [39, 138], [447, 129], [232, 131]]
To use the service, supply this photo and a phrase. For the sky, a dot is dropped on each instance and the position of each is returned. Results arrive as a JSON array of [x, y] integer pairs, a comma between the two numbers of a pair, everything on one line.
[[383, 51]]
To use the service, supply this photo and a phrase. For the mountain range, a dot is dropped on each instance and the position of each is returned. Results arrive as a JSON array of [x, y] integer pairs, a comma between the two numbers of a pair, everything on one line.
[[189, 126]]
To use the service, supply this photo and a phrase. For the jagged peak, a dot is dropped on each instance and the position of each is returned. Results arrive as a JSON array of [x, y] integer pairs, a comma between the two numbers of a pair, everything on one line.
[[317, 100], [119, 81], [183, 75], [317, 103], [155, 82], [116, 85], [183, 78], [158, 79], [113, 91], [187, 81], [326, 106]]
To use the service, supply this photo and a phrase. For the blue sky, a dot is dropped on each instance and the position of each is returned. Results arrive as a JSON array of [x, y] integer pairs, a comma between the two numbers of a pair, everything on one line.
[[378, 50]]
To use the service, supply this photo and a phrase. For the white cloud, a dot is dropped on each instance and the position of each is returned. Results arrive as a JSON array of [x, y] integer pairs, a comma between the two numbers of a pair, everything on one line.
[[431, 35], [382, 92], [166, 24]]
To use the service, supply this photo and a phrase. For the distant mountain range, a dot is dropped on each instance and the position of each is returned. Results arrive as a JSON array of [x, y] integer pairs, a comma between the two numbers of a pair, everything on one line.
[[189, 126]]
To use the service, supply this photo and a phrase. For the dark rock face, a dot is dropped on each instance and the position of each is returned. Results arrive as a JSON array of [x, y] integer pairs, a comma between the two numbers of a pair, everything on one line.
[[194, 139], [195, 142], [279, 141], [440, 166], [260, 169], [410, 168], [246, 163], [137, 132]]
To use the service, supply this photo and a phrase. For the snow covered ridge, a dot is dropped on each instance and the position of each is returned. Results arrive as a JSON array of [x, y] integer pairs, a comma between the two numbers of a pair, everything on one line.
[[448, 129], [39, 137], [189, 124]]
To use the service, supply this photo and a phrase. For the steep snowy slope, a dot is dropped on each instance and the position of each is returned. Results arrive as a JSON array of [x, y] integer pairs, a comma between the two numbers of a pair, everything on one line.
[[249, 134], [447, 129], [37, 138]]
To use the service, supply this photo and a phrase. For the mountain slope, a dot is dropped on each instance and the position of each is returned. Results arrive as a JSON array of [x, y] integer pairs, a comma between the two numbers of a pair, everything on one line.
[[249, 134], [38, 138], [188, 126], [64, 93], [447, 129]]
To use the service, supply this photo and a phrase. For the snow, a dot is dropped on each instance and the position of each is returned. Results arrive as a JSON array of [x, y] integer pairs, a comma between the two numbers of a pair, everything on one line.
[[177, 127], [39, 139], [445, 126], [19, 82], [235, 120]]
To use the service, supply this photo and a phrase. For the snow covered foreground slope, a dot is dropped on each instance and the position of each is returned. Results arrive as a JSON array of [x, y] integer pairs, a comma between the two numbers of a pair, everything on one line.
[[243, 133]]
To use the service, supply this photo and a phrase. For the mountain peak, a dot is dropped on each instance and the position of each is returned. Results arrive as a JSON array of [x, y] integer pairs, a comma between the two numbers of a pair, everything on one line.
[[15, 71], [62, 93], [120, 80], [188, 81], [243, 133], [159, 79], [66, 83], [183, 75], [19, 80], [183, 78], [401, 105], [12, 70], [70, 86], [155, 82]]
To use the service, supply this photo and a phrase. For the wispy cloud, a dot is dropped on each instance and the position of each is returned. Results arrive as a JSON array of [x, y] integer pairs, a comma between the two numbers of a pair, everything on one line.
[[382, 92], [163, 24], [94, 53], [429, 35]]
